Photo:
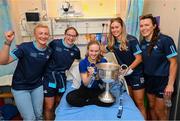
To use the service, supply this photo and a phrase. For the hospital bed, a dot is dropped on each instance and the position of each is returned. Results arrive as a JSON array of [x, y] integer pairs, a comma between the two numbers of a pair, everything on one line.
[[6, 73], [5, 80], [65, 112]]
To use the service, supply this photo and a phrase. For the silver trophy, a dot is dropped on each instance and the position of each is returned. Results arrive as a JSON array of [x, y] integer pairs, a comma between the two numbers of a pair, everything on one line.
[[108, 72]]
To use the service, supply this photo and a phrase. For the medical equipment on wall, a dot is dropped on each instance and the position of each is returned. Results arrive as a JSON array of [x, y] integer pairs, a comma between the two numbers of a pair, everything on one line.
[[30, 18]]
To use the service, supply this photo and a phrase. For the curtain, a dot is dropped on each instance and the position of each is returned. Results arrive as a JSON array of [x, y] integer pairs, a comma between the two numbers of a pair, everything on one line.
[[5, 22], [134, 10]]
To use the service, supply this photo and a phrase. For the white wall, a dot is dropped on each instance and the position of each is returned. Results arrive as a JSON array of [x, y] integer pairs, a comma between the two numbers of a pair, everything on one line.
[[169, 12]]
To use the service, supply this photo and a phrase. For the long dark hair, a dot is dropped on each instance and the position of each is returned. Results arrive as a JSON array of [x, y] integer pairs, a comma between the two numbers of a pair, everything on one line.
[[156, 31]]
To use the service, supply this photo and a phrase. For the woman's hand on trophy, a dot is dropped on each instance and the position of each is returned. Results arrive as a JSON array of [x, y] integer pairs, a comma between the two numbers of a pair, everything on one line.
[[129, 71], [125, 70]]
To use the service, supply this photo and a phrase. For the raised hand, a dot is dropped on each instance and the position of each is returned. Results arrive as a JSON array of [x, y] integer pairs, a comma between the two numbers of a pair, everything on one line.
[[9, 35]]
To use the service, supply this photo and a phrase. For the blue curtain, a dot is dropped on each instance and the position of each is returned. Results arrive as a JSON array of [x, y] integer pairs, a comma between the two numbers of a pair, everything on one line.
[[5, 22], [135, 9]]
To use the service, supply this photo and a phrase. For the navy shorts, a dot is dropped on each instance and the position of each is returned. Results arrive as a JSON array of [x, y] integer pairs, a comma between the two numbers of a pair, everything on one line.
[[54, 84], [135, 81], [155, 85]]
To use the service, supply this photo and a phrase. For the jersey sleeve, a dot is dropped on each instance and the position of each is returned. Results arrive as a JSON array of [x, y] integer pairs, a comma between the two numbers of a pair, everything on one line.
[[82, 67], [103, 60], [78, 54], [135, 47], [169, 47], [17, 53]]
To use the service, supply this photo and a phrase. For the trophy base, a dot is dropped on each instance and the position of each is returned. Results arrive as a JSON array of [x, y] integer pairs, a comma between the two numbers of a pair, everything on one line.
[[106, 97]]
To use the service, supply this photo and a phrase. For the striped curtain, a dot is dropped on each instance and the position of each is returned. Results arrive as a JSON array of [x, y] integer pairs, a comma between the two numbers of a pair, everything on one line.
[[134, 10]]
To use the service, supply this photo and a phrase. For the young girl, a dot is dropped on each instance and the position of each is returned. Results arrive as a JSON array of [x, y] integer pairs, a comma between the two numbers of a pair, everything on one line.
[[127, 51], [89, 90], [32, 57]]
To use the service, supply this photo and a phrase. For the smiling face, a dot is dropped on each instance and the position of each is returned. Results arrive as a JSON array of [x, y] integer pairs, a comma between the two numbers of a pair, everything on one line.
[[116, 29], [70, 37], [93, 51], [147, 28], [42, 35]]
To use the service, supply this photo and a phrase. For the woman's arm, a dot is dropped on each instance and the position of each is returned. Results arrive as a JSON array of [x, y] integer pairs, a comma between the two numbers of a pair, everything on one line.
[[86, 77], [172, 76], [136, 62], [5, 58]]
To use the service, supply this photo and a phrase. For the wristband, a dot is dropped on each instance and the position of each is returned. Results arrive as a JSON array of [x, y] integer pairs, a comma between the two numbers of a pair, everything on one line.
[[7, 43]]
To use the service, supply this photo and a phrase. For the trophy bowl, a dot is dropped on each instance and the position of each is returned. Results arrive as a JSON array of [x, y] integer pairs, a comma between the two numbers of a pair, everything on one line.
[[108, 73]]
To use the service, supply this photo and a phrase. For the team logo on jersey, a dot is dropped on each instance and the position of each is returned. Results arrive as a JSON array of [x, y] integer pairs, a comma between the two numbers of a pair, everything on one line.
[[41, 53], [143, 47], [33, 55], [47, 56], [136, 85], [75, 49], [66, 49], [142, 80], [155, 47], [72, 54]]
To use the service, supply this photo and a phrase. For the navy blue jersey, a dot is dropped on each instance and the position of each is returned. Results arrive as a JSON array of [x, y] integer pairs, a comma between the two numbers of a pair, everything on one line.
[[157, 63], [83, 68], [127, 57], [31, 64], [63, 56]]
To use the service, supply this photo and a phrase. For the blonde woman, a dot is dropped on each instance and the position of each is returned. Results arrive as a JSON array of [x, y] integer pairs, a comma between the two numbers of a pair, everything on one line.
[[32, 57], [127, 51]]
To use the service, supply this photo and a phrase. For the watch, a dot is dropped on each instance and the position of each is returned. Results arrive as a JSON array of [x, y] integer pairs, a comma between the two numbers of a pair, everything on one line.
[[7, 43]]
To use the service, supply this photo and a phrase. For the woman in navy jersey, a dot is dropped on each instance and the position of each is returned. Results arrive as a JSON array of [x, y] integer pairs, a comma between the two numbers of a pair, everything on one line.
[[64, 54], [127, 51], [160, 65], [89, 90], [32, 57]]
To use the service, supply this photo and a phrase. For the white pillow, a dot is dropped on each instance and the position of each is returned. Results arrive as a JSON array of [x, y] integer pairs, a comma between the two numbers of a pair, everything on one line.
[[74, 75], [6, 80]]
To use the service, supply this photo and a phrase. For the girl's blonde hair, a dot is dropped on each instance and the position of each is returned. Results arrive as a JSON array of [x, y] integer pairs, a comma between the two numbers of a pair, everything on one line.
[[40, 25], [123, 40], [94, 42]]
